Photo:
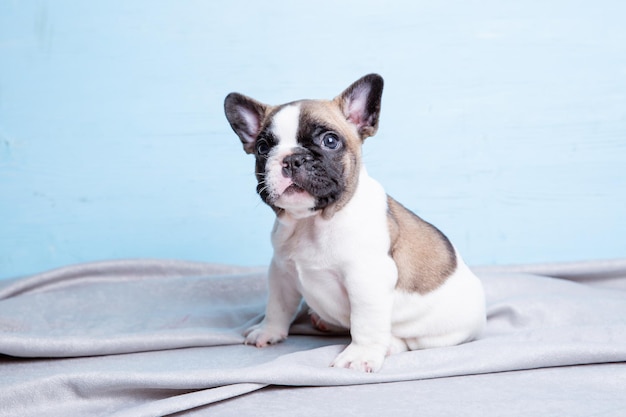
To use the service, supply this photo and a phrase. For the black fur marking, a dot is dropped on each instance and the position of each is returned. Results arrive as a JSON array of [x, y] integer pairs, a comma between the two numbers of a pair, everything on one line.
[[261, 161], [322, 173]]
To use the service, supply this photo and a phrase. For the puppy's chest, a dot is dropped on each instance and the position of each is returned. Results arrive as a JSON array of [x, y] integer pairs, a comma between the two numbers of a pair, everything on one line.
[[315, 258], [311, 247]]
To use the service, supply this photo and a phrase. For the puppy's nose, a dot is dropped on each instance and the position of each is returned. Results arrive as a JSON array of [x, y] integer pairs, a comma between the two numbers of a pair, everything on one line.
[[292, 163]]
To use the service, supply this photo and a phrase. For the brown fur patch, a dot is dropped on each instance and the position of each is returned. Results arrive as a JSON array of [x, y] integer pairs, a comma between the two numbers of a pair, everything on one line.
[[424, 256]]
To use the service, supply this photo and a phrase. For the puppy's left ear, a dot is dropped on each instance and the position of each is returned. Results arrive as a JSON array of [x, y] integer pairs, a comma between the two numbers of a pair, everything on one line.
[[246, 117], [360, 104]]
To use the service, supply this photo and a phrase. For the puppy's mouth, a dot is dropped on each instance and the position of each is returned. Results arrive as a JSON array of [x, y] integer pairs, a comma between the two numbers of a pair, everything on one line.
[[292, 198], [287, 187], [293, 189]]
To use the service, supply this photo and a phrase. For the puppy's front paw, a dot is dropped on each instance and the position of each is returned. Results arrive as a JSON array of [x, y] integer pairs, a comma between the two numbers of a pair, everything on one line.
[[262, 335], [360, 358]]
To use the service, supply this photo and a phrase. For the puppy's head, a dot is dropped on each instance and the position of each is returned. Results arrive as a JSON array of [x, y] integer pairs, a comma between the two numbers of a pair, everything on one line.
[[308, 152]]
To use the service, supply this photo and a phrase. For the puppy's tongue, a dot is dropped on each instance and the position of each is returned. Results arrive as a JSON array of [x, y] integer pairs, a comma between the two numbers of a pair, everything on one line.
[[287, 186], [292, 189]]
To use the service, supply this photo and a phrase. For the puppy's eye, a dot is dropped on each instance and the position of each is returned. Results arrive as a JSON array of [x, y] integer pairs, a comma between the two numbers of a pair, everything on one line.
[[331, 141], [262, 147]]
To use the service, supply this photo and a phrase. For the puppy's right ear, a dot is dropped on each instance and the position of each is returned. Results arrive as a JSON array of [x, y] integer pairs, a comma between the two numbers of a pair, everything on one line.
[[245, 116]]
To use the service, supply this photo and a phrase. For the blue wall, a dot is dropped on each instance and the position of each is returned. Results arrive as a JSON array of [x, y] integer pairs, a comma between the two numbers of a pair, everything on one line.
[[504, 123]]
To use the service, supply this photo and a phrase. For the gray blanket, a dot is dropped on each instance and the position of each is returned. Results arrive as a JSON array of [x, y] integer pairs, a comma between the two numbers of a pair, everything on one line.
[[154, 338]]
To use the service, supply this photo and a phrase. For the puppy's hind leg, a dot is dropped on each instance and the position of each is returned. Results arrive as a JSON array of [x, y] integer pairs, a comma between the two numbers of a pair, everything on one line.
[[323, 326], [397, 345], [436, 341]]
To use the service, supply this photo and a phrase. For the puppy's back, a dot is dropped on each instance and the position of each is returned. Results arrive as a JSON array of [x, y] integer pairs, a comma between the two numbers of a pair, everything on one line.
[[424, 256]]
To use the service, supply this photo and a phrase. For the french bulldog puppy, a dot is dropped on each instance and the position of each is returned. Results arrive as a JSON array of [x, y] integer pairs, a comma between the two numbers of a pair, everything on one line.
[[360, 259]]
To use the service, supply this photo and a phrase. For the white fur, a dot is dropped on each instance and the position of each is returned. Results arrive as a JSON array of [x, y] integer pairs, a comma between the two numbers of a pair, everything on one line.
[[343, 271], [285, 126], [451, 314], [345, 274], [285, 130]]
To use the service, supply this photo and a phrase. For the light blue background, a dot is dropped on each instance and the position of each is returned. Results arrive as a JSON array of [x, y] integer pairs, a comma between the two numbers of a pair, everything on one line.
[[503, 122]]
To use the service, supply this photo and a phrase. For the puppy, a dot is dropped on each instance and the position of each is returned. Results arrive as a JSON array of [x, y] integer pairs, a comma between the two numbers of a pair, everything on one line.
[[360, 259]]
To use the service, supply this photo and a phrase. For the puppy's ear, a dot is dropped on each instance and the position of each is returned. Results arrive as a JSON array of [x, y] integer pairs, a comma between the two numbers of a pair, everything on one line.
[[360, 104], [245, 116]]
